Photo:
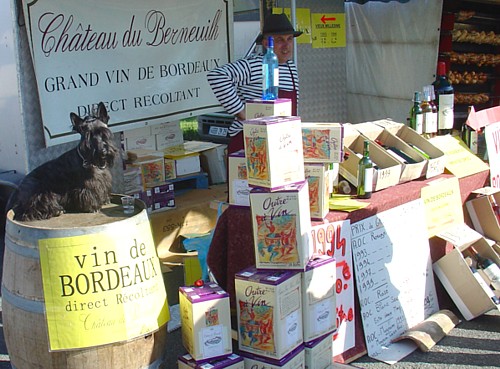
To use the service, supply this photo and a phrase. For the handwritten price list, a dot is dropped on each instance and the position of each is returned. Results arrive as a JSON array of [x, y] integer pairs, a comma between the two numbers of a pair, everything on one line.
[[394, 278]]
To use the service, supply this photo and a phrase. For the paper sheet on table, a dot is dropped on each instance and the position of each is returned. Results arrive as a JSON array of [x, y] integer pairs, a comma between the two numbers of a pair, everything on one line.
[[345, 203]]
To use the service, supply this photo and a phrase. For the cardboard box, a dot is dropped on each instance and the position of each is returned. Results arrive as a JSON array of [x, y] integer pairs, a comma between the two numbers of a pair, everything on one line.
[[281, 225], [163, 197], [273, 149], [269, 312], [239, 190], [471, 297], [318, 298], [258, 108], [319, 353], [481, 213], [170, 172], [294, 360], [233, 361], [387, 172], [213, 162], [320, 180], [140, 138], [168, 134], [152, 170], [436, 159], [323, 142], [205, 321], [192, 214], [409, 171]]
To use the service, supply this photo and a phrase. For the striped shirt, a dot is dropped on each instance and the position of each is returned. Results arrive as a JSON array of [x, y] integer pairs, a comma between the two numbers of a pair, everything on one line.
[[234, 83]]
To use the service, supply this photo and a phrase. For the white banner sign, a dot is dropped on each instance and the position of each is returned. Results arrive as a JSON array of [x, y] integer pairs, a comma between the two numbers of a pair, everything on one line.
[[147, 61], [492, 135]]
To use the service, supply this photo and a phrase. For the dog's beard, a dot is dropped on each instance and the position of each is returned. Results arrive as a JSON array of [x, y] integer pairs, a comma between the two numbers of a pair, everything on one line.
[[98, 151]]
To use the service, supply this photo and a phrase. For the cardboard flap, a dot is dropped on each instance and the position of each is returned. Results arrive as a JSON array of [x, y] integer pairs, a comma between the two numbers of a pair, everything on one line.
[[461, 236]]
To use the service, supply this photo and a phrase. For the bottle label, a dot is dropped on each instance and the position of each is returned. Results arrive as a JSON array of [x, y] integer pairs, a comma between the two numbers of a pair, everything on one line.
[[368, 180], [419, 123], [445, 118], [276, 77], [430, 122]]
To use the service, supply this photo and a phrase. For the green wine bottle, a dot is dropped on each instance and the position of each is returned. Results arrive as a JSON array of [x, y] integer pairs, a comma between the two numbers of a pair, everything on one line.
[[416, 116], [365, 174]]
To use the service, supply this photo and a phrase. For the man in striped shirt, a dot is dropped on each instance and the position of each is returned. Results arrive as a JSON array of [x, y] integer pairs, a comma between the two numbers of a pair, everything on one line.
[[236, 82]]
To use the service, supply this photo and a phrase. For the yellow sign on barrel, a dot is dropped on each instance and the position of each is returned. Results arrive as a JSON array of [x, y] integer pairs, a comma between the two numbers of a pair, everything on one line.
[[102, 288]]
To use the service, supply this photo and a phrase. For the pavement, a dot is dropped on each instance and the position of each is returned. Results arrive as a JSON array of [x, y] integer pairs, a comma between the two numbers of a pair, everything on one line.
[[471, 344]]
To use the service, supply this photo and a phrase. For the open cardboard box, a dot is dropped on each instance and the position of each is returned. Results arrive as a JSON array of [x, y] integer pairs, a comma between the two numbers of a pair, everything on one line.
[[436, 164], [409, 171], [481, 213], [389, 169], [456, 276]]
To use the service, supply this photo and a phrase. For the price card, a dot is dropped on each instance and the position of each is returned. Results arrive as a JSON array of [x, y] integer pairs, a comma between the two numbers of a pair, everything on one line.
[[333, 239], [394, 277], [218, 131], [492, 135]]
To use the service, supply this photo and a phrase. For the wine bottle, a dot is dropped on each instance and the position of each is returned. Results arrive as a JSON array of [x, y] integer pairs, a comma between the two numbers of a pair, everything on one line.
[[430, 122], [270, 72], [495, 207], [420, 151], [416, 116], [365, 174], [491, 270], [484, 286], [444, 98]]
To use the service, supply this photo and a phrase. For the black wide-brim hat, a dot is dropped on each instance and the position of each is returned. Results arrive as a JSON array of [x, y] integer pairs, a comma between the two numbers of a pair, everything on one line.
[[277, 24]]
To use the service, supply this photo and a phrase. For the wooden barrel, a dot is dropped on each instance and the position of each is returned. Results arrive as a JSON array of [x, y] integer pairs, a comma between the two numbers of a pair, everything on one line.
[[23, 301]]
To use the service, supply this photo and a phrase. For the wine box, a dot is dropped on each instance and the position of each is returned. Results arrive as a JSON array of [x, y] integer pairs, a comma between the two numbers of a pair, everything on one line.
[[269, 312], [273, 150], [481, 213], [318, 179], [294, 360], [232, 361], [281, 225], [186, 161], [257, 108], [387, 170], [319, 352], [205, 321], [167, 134], [319, 297], [139, 138], [323, 142], [458, 279], [435, 158], [397, 148], [239, 191], [152, 170]]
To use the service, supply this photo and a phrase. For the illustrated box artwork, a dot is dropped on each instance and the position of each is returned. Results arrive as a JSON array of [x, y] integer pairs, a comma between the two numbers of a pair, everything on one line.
[[273, 150], [206, 321], [323, 142], [318, 178], [239, 191], [281, 224], [318, 297], [269, 312]]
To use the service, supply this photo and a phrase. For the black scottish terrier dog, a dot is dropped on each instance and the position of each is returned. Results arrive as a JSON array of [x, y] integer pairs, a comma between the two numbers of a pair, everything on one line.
[[78, 181]]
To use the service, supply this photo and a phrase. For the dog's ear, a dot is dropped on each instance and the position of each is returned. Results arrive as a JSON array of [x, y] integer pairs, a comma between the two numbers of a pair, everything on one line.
[[102, 113], [77, 122]]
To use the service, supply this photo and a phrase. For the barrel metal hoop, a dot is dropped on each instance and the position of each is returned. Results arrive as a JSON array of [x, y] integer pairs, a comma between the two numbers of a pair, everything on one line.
[[27, 252], [31, 306]]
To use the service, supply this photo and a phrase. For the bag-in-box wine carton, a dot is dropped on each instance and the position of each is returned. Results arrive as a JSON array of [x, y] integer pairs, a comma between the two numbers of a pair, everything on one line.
[[205, 321], [269, 312], [273, 150], [281, 227]]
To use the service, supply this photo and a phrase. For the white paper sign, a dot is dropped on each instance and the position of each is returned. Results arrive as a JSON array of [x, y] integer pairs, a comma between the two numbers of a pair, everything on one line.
[[147, 60], [394, 277], [333, 239], [492, 133]]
